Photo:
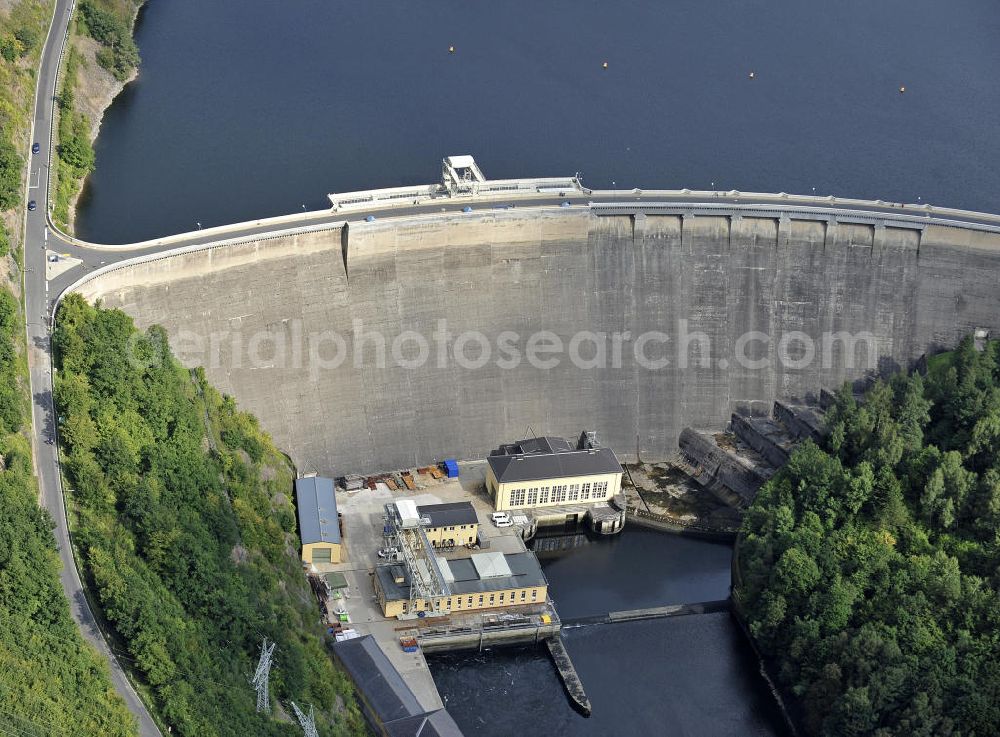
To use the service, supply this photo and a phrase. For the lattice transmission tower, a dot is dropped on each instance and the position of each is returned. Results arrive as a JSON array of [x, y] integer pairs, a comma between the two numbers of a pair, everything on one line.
[[308, 723], [259, 680]]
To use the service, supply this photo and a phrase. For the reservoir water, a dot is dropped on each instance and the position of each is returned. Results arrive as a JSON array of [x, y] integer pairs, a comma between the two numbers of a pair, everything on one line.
[[263, 107]]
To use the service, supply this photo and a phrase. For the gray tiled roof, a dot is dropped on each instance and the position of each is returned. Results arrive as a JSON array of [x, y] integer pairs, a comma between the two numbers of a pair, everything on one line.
[[452, 513], [317, 507], [538, 459], [387, 694], [380, 683]]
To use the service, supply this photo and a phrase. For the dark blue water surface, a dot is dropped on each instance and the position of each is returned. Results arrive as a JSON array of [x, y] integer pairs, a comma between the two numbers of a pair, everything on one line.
[[680, 677], [259, 107], [636, 570], [692, 675]]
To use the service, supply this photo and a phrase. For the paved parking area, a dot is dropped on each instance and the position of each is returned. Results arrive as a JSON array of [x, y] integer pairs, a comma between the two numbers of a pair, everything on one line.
[[362, 512]]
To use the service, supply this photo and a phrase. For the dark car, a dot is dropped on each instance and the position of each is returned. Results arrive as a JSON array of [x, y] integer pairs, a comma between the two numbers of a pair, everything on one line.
[[35, 148], [32, 205]]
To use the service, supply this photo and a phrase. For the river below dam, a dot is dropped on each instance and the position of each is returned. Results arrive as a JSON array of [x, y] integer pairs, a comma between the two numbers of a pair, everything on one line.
[[692, 675]]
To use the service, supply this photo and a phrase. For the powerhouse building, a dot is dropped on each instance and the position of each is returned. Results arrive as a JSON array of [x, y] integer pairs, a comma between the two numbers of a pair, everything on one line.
[[478, 581], [550, 472]]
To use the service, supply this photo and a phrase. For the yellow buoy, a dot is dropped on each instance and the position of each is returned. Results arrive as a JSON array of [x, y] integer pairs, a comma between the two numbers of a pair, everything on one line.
[[604, 65], [902, 89], [451, 49]]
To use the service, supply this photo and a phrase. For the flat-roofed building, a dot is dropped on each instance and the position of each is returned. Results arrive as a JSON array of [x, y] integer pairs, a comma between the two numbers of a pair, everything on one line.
[[549, 472], [454, 523], [319, 524], [478, 581], [389, 705]]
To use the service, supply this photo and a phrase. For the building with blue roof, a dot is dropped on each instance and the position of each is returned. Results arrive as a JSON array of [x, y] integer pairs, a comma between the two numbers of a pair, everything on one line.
[[319, 523]]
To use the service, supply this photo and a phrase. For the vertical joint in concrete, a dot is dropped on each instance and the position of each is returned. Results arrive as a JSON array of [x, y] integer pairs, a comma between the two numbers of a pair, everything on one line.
[[344, 237], [734, 221], [784, 230], [878, 239], [829, 233], [638, 226], [687, 219]]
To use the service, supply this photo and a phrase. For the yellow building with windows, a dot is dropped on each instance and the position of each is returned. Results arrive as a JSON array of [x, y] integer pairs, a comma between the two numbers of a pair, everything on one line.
[[319, 522], [479, 581], [549, 472], [454, 523]]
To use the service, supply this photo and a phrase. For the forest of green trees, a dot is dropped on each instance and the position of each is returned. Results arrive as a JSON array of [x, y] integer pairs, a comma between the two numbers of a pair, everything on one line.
[[109, 22], [869, 568], [51, 682], [185, 529]]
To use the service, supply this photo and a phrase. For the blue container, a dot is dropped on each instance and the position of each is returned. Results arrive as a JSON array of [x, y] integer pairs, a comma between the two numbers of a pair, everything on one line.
[[451, 468]]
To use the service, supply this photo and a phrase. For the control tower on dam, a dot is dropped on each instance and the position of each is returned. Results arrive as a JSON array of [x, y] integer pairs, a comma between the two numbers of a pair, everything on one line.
[[666, 319]]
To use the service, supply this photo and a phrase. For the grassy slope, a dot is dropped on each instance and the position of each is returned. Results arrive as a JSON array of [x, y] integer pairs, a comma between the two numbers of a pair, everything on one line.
[[49, 677], [185, 527], [22, 33]]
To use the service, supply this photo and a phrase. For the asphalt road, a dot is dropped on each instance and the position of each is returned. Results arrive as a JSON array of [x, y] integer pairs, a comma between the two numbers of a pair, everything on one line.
[[95, 256], [37, 307]]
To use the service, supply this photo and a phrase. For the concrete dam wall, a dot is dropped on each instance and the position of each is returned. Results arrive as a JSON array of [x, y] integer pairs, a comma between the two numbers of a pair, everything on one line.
[[257, 314]]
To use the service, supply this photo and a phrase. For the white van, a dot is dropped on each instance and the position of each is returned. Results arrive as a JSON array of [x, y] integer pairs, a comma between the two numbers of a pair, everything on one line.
[[502, 519]]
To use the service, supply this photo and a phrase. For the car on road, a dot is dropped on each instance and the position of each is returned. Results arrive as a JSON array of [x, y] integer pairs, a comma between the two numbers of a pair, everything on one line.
[[35, 147], [370, 219], [32, 205], [466, 209], [388, 553], [565, 204]]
